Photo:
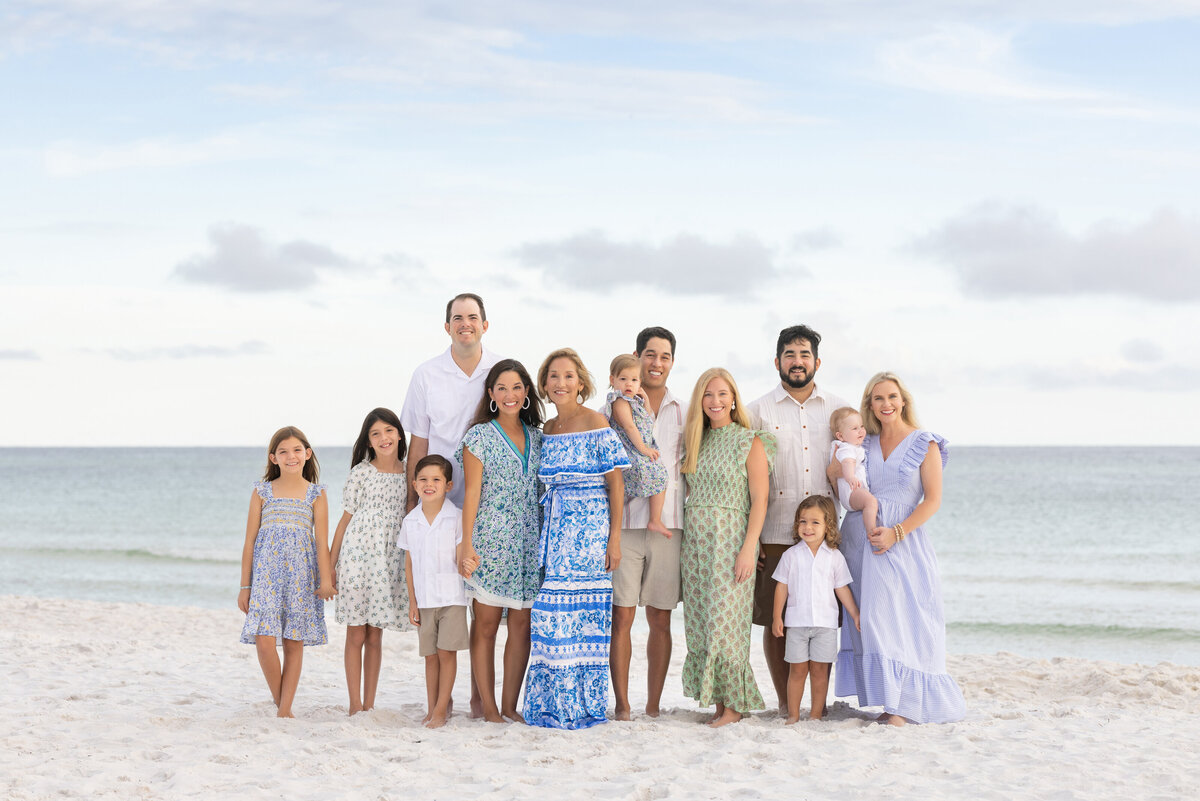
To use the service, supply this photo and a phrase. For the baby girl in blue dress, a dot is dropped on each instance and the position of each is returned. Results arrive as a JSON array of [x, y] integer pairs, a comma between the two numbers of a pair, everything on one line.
[[646, 477]]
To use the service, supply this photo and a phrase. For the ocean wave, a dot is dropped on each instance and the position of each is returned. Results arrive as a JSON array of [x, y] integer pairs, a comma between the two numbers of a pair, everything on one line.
[[1080, 631], [135, 554], [1098, 583]]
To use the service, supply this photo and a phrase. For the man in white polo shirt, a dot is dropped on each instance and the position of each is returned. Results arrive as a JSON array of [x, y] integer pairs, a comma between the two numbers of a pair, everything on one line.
[[797, 412], [648, 574], [445, 391]]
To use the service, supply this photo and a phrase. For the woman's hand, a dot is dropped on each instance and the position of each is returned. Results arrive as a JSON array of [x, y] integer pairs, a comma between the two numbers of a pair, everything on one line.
[[612, 556], [743, 567], [882, 538], [244, 601], [468, 560]]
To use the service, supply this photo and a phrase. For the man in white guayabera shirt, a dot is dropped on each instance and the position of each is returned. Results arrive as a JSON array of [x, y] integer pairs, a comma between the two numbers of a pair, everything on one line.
[[797, 412], [648, 574], [445, 391]]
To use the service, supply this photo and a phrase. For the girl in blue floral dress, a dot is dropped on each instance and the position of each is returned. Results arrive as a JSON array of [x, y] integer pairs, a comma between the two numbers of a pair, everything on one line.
[[500, 456], [571, 623], [286, 576]]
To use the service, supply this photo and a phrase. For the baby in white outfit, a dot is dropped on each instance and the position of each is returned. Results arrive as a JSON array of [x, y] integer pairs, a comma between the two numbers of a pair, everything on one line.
[[847, 450]]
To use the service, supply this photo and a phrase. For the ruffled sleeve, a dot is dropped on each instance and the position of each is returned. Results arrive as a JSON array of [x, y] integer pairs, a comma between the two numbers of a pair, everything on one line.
[[471, 440], [919, 446], [610, 453], [353, 488], [770, 445], [263, 488], [314, 492]]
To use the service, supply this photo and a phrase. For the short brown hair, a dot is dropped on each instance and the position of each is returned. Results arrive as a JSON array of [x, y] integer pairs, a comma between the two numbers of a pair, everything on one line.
[[467, 296]]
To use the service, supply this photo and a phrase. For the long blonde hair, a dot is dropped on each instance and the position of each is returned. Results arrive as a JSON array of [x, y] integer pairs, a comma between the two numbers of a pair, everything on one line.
[[908, 414], [697, 420]]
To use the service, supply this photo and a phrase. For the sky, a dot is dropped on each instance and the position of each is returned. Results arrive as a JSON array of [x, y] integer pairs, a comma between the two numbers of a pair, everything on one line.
[[219, 217]]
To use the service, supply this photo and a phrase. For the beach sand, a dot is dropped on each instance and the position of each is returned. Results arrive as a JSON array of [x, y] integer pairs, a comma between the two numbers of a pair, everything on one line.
[[132, 701]]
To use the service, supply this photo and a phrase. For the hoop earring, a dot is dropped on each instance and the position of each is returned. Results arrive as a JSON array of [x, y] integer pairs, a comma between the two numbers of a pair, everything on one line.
[[492, 405], [526, 404]]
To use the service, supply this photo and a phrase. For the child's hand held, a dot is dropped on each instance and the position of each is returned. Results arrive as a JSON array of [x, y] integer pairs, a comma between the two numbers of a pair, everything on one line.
[[243, 601]]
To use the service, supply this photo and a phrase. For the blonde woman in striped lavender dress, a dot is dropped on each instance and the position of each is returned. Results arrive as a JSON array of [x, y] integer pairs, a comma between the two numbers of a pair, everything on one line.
[[898, 662]]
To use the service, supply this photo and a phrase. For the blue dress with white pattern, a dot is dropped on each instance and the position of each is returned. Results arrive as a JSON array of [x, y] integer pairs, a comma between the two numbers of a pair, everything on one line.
[[571, 621], [899, 660], [284, 577]]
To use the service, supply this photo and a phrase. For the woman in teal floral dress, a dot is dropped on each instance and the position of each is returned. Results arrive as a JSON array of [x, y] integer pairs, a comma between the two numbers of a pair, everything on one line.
[[726, 464], [500, 456]]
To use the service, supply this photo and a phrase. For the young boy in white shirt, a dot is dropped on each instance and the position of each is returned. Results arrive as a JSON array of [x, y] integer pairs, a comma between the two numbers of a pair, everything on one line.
[[812, 577], [437, 605]]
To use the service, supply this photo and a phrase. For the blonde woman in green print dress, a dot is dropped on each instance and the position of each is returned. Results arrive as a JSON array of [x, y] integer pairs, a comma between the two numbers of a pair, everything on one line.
[[727, 465]]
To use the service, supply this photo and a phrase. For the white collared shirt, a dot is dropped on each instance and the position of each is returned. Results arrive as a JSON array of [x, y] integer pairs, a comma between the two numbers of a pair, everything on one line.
[[668, 435], [433, 548], [811, 579], [440, 404], [802, 435]]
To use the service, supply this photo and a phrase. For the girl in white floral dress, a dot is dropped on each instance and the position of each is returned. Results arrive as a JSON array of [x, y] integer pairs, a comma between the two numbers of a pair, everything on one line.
[[368, 566]]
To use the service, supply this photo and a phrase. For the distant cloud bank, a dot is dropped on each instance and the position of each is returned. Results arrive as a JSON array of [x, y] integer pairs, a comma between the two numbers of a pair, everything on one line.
[[1007, 250], [244, 261]]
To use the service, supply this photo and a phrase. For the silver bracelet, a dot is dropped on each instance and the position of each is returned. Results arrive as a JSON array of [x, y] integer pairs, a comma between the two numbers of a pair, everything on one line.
[[245, 588]]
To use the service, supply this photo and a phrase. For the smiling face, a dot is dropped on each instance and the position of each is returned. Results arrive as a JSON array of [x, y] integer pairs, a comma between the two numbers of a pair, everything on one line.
[[657, 360], [887, 402], [851, 429], [466, 326], [562, 381], [717, 402], [430, 484], [810, 525], [627, 382], [290, 456], [797, 365], [508, 393], [383, 438]]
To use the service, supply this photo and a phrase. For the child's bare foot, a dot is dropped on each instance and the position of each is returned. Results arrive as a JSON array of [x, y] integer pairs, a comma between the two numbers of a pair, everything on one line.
[[355, 709], [436, 722], [513, 715], [494, 717], [791, 719], [285, 713], [652, 711], [621, 713], [726, 717], [657, 525], [476, 708], [428, 717]]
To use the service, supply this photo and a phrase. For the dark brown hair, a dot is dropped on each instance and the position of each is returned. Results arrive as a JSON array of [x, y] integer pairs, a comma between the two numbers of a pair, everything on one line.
[[311, 469]]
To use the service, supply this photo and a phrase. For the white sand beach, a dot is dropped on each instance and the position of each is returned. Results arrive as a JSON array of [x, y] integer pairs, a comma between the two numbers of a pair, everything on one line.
[[112, 700]]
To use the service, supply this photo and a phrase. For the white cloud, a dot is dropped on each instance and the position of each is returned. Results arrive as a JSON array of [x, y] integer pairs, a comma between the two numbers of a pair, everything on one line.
[[252, 348], [19, 355], [68, 159], [1002, 250], [243, 260], [685, 265]]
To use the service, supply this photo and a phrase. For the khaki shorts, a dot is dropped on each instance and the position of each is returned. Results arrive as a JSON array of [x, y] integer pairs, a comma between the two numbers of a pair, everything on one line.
[[649, 571], [764, 585], [443, 628]]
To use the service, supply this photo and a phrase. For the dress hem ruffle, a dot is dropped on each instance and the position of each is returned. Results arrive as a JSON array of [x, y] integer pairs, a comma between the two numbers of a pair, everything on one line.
[[912, 694]]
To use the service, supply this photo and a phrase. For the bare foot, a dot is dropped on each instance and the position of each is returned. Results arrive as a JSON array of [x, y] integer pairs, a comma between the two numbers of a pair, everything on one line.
[[727, 717], [621, 713], [436, 722], [476, 708], [355, 709], [285, 713], [882, 717], [652, 711], [896, 720], [658, 526], [428, 717], [791, 720], [493, 717], [513, 715]]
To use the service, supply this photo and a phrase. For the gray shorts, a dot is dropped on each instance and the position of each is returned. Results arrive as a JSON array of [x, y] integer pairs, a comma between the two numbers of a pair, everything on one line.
[[810, 644], [443, 628], [649, 571]]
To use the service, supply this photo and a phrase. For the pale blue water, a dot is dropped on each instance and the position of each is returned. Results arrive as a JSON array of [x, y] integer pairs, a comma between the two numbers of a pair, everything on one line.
[[1044, 551]]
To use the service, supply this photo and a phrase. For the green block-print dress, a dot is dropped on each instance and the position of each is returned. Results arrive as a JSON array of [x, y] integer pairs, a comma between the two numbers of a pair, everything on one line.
[[716, 609]]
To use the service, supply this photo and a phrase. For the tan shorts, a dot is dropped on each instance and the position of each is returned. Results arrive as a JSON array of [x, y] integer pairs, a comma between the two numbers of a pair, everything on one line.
[[649, 571], [443, 628], [764, 585]]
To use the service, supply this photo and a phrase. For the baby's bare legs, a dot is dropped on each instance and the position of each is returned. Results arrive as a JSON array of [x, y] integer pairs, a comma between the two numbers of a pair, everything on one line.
[[819, 672], [446, 663], [863, 501], [293, 660], [797, 674], [268, 660], [656, 508]]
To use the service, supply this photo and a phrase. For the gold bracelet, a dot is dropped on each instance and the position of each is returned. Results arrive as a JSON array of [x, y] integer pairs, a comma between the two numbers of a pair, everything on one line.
[[899, 529]]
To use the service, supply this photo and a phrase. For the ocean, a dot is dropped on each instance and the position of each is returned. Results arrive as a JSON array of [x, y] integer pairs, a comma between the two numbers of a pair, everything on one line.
[[1074, 552]]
